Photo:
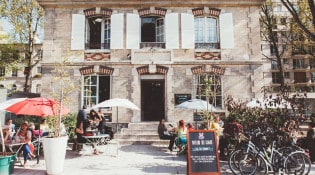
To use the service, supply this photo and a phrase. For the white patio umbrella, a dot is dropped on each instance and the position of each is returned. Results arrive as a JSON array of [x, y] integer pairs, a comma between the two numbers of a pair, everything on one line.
[[268, 103], [5, 104], [117, 102], [197, 104]]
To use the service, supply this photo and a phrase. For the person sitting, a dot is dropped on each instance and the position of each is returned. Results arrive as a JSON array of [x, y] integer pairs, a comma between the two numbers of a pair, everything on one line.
[[166, 134], [44, 128], [11, 127], [95, 119], [7, 138], [190, 127], [31, 127], [181, 132], [24, 136]]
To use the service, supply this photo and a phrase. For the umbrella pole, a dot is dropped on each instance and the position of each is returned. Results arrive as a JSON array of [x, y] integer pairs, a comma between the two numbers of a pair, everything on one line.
[[117, 131], [116, 120]]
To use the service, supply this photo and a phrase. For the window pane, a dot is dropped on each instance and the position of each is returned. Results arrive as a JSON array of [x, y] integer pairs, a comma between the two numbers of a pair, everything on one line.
[[212, 30], [199, 26], [96, 89], [209, 85], [206, 30], [107, 31]]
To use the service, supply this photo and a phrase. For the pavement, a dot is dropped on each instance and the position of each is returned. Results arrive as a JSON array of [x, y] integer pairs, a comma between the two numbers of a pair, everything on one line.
[[118, 159]]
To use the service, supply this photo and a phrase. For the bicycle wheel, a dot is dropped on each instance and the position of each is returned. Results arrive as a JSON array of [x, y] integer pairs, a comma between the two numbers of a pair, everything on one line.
[[233, 161], [297, 163], [248, 163]]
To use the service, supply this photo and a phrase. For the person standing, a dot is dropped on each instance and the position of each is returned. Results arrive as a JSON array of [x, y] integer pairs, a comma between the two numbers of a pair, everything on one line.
[[165, 134], [181, 132], [310, 141], [81, 126], [218, 129]]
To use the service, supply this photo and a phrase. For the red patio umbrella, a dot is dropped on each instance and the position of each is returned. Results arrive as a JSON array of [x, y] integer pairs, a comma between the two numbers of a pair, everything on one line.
[[39, 106]]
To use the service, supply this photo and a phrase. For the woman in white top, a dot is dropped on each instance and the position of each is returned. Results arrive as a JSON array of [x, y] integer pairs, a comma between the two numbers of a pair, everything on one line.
[[24, 136]]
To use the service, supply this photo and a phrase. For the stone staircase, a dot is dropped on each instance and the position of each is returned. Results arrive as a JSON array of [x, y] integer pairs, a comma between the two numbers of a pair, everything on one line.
[[144, 133]]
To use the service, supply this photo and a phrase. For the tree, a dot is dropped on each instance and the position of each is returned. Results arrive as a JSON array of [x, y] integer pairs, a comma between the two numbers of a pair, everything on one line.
[[278, 40], [9, 56], [25, 17], [303, 14], [62, 87]]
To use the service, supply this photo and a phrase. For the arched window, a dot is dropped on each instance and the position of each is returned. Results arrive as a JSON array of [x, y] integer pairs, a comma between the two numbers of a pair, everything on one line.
[[98, 28]]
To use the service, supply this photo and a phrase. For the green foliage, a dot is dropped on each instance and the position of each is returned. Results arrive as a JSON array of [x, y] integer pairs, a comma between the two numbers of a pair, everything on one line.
[[68, 120], [9, 56], [26, 18], [275, 118], [35, 119]]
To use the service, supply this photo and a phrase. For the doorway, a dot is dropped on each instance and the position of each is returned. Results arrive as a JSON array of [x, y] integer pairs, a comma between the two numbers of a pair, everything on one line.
[[152, 100]]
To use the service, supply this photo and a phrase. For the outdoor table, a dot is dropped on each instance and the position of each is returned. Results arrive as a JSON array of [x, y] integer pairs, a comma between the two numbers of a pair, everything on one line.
[[11, 146], [95, 140]]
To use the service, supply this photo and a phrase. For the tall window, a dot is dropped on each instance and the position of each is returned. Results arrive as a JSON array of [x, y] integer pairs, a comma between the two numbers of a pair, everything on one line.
[[152, 29], [96, 88], [206, 31], [2, 71], [276, 77], [312, 77], [312, 63], [14, 72], [39, 70], [274, 64], [38, 88], [298, 63], [98, 33], [209, 85], [14, 87]]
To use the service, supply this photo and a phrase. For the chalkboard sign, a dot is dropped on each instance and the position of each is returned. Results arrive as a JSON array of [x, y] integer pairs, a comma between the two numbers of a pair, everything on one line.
[[198, 117], [202, 153], [180, 98]]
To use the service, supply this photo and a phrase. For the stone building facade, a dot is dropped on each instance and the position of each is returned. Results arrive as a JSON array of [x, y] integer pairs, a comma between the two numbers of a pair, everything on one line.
[[154, 53]]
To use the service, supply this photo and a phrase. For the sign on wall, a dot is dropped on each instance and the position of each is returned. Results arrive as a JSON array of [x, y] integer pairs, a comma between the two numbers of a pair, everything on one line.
[[202, 153], [180, 98]]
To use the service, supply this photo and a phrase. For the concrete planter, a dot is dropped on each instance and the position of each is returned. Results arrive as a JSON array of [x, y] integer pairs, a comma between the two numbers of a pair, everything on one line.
[[55, 153]]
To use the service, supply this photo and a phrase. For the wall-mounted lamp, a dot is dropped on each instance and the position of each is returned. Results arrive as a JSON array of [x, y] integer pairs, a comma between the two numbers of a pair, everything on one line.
[[98, 20]]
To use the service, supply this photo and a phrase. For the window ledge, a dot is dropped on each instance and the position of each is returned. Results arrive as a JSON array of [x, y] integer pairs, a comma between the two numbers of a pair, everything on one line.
[[96, 50], [207, 50]]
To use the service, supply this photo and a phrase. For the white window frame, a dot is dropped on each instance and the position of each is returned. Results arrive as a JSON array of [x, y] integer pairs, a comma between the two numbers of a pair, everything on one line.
[[206, 29]]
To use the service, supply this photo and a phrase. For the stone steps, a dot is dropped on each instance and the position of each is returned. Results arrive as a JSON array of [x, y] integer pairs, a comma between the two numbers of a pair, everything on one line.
[[144, 133]]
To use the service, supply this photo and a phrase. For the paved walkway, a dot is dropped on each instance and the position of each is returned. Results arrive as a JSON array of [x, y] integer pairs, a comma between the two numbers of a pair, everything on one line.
[[129, 159]]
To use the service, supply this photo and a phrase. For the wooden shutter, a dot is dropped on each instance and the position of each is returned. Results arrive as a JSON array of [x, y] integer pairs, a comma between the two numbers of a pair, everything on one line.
[[188, 35], [226, 31], [133, 31], [117, 31], [171, 31], [77, 32]]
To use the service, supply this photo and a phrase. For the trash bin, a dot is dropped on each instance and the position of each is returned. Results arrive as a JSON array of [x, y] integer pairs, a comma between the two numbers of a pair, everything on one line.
[[5, 165], [12, 162]]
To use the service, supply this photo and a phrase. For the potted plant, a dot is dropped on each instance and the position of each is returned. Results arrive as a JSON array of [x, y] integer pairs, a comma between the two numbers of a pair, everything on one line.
[[55, 145]]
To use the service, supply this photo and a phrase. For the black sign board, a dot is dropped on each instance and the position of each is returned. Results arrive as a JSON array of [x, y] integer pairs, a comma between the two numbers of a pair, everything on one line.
[[180, 98], [198, 117], [202, 153]]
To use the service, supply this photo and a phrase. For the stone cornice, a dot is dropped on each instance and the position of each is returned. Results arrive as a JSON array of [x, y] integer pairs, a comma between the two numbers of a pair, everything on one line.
[[145, 3]]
